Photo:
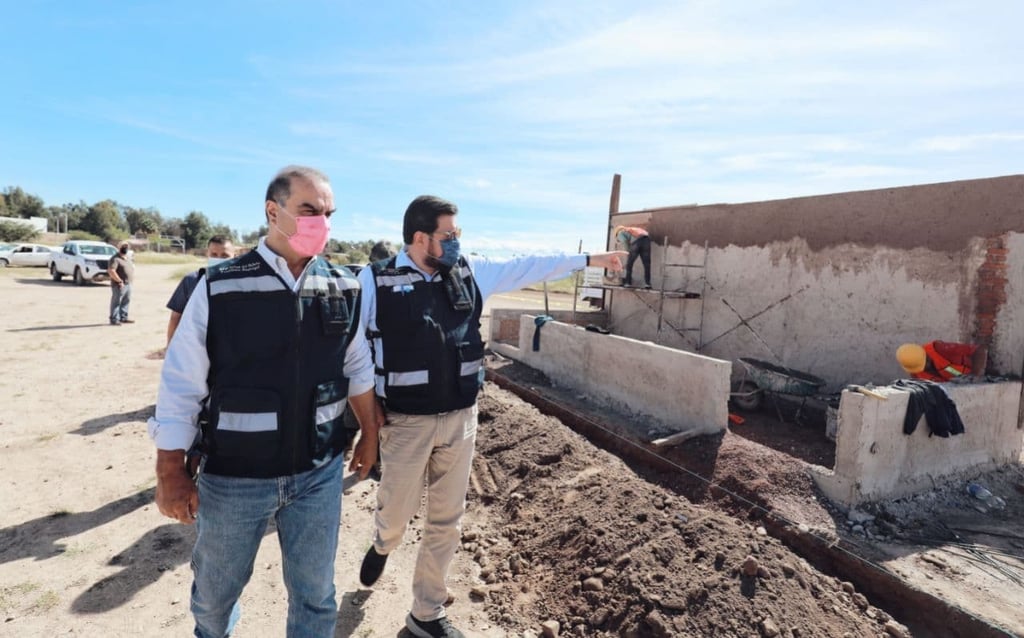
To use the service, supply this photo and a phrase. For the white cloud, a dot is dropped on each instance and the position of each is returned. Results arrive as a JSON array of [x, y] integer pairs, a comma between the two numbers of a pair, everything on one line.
[[954, 143]]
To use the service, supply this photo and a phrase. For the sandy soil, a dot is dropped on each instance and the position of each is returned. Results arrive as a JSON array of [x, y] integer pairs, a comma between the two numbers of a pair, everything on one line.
[[561, 537]]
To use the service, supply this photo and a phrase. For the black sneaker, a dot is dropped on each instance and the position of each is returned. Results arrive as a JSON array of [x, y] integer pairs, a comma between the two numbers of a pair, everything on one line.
[[440, 628], [373, 566]]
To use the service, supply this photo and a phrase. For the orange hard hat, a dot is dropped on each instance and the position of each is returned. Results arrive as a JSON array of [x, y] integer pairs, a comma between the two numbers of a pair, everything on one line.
[[912, 357]]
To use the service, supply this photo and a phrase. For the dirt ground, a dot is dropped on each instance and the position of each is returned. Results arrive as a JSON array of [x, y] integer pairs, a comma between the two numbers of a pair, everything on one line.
[[561, 537], [949, 555]]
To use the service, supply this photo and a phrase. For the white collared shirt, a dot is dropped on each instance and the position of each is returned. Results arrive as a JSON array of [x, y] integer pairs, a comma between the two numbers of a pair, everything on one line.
[[183, 384]]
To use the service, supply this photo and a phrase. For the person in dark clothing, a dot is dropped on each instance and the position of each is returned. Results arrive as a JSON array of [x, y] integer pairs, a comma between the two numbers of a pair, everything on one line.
[[218, 249], [122, 273], [638, 243]]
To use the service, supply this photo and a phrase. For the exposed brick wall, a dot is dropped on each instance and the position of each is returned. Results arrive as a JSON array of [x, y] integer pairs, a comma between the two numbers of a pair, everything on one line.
[[991, 288]]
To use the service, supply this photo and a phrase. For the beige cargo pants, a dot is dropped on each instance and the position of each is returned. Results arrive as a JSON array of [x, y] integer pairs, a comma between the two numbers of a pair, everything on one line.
[[435, 449]]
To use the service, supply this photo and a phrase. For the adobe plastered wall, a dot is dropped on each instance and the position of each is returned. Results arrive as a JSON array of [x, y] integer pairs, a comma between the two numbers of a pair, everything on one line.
[[832, 285], [671, 389], [876, 460]]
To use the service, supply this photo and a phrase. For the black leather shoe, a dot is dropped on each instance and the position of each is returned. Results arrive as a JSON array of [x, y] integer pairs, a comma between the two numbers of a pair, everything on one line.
[[373, 566], [440, 628]]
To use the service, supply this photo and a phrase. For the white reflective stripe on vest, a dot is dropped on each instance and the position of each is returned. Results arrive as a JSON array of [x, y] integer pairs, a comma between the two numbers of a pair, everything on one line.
[[398, 280], [247, 421], [416, 377], [267, 283], [471, 367], [329, 412], [316, 282]]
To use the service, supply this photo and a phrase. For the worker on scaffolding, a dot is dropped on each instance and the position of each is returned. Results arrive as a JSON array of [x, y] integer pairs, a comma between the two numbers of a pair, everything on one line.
[[638, 243], [942, 360]]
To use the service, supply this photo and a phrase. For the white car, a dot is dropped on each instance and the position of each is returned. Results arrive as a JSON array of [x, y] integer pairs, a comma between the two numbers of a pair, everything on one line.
[[83, 261], [26, 255]]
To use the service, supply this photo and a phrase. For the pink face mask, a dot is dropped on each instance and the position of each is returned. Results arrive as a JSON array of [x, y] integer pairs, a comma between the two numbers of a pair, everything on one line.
[[310, 234]]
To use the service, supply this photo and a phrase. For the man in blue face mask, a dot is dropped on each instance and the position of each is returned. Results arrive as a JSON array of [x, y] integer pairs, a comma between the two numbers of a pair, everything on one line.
[[218, 249], [421, 310]]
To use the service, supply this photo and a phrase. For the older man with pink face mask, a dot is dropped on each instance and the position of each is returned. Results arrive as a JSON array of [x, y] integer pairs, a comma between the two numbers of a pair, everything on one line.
[[267, 354]]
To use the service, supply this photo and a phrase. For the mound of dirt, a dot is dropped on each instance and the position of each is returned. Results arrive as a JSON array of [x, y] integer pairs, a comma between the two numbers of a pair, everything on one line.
[[588, 547]]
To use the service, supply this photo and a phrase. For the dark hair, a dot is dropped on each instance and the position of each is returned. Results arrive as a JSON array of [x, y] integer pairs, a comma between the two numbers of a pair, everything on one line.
[[422, 214], [218, 239], [280, 188], [381, 250]]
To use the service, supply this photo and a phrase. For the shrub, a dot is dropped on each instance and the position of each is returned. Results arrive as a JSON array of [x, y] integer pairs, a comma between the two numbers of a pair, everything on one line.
[[15, 232]]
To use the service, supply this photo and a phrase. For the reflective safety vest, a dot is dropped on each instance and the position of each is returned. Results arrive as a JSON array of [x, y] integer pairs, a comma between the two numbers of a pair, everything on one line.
[[427, 347], [277, 387], [945, 369]]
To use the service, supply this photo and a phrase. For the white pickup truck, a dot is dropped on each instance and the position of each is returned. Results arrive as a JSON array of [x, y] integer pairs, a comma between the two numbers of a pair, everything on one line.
[[83, 261]]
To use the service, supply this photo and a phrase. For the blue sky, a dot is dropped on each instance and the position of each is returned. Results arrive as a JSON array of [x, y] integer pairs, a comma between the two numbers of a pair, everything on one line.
[[520, 112]]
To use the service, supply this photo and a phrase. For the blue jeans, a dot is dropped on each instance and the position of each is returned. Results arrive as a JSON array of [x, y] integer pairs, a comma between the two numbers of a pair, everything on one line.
[[120, 297], [232, 519]]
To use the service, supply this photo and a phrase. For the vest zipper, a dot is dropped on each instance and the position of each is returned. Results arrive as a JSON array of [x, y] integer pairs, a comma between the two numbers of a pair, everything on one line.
[[297, 428]]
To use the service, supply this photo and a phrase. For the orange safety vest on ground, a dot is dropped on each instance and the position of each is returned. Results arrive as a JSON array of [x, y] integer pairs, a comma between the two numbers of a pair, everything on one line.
[[945, 369]]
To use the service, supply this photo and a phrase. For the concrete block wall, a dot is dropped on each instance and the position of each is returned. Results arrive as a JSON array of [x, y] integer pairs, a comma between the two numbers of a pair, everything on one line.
[[504, 327], [875, 460], [673, 390]]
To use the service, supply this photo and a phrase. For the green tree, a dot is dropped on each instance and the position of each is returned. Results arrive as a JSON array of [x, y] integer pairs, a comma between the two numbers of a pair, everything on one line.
[[104, 220], [253, 237], [15, 202], [172, 227], [15, 232], [196, 230], [73, 213], [145, 220], [224, 231]]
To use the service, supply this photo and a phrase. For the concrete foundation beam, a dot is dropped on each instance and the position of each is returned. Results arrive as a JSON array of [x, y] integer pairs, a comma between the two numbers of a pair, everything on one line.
[[667, 389], [875, 460]]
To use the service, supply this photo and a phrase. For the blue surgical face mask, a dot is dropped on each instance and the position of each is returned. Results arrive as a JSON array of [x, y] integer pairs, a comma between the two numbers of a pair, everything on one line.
[[213, 261], [449, 252]]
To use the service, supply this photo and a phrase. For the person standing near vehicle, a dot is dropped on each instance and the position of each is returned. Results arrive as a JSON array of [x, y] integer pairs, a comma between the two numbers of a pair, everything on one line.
[[271, 346], [121, 270], [638, 243], [422, 312], [218, 249]]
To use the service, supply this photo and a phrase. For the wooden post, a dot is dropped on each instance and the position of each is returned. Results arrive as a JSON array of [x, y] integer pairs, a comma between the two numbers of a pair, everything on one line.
[[613, 206]]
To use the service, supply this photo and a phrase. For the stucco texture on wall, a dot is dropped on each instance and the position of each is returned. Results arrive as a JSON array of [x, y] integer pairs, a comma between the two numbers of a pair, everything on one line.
[[832, 285], [939, 217]]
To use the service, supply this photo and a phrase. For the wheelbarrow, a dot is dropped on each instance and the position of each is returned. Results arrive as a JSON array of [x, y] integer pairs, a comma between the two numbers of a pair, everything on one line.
[[761, 379]]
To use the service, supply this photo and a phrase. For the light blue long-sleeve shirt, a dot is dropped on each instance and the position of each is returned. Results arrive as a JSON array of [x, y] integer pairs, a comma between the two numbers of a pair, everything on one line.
[[492, 276]]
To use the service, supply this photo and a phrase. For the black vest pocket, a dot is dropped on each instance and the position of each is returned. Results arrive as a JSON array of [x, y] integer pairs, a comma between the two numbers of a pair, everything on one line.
[[245, 422], [329, 433], [334, 315]]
